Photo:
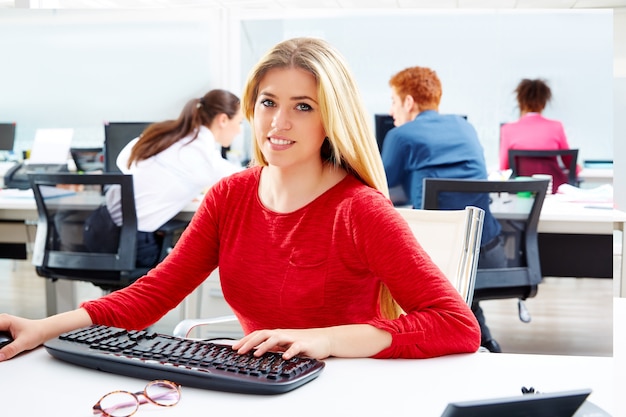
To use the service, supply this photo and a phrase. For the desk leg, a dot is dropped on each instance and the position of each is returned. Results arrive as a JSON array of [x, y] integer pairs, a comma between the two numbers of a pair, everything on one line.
[[60, 296]]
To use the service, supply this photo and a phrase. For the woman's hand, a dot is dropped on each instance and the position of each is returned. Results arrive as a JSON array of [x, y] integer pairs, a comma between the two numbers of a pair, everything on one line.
[[313, 343], [349, 341], [27, 334]]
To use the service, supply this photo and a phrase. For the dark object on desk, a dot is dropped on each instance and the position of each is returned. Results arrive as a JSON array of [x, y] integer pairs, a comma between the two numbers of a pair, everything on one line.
[[561, 164], [17, 175], [193, 363], [523, 273], [558, 404], [5, 338], [7, 136], [598, 163], [383, 124], [116, 136], [60, 250], [88, 159]]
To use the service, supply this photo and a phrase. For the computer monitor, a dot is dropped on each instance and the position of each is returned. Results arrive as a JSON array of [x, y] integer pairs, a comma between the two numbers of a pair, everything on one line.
[[116, 136], [383, 124], [7, 136], [556, 404], [88, 159]]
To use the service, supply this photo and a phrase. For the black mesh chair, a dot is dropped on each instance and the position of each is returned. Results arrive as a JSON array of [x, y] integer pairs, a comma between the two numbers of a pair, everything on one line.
[[561, 164], [517, 206], [65, 203]]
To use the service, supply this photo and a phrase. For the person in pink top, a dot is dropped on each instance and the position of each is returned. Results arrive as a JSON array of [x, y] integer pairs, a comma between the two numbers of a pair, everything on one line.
[[314, 259], [533, 131]]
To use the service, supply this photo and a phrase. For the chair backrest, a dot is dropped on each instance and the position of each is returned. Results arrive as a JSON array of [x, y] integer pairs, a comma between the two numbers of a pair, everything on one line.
[[560, 163], [452, 240], [517, 206], [116, 136], [62, 250]]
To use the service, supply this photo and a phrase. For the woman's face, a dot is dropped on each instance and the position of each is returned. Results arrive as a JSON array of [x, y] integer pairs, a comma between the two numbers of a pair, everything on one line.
[[229, 129], [287, 122]]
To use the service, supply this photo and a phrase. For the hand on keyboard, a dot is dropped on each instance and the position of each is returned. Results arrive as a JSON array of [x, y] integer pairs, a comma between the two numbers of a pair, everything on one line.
[[194, 363]]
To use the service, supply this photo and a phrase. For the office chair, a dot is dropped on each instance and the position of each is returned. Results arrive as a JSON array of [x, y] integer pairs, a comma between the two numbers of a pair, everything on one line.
[[64, 205], [561, 164], [451, 238], [517, 206]]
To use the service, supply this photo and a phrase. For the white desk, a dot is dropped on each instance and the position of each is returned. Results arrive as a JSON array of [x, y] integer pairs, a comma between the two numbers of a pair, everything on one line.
[[593, 177], [37, 384], [560, 216]]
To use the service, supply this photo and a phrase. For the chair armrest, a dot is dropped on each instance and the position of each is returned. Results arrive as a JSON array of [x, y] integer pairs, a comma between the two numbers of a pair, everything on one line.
[[172, 226], [185, 327]]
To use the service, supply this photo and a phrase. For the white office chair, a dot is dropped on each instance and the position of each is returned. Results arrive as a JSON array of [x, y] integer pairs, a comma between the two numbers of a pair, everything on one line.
[[450, 237]]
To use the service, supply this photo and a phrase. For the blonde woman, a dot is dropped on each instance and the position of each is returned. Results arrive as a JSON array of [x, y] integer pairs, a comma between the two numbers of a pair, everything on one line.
[[308, 244]]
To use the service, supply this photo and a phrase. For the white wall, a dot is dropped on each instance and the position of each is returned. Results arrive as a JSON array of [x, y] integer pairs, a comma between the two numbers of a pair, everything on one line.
[[78, 68], [480, 57]]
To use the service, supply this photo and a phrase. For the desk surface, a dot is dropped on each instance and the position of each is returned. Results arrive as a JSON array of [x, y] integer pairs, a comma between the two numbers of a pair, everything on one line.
[[555, 210], [37, 384]]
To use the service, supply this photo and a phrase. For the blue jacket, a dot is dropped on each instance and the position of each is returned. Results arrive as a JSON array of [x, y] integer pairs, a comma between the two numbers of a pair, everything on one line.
[[435, 145]]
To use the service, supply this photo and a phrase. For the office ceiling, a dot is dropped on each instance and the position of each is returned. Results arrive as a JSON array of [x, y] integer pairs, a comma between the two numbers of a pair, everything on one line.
[[333, 4]]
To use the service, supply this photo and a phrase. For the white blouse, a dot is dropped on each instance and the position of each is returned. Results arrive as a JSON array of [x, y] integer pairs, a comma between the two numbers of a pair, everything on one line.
[[165, 183]]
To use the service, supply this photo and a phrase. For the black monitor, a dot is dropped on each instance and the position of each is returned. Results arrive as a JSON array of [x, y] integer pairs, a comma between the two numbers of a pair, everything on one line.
[[7, 136], [116, 136], [383, 124], [557, 404]]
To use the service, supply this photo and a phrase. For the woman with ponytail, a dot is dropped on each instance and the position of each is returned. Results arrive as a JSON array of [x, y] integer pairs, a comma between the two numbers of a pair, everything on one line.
[[172, 162]]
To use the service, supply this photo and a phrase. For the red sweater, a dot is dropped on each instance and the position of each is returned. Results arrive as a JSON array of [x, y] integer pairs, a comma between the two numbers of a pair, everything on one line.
[[319, 266]]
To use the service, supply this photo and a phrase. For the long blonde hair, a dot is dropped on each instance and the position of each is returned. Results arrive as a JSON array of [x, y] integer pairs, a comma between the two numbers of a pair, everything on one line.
[[351, 141]]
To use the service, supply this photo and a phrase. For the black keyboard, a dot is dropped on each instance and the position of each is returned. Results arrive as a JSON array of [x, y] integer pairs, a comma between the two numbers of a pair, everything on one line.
[[193, 363]]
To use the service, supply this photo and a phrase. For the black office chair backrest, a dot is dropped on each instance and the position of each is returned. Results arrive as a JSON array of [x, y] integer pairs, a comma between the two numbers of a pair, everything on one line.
[[561, 164], [116, 136], [517, 206], [65, 204]]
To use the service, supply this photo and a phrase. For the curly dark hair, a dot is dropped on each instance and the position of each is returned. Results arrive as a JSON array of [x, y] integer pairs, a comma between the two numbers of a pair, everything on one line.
[[533, 95]]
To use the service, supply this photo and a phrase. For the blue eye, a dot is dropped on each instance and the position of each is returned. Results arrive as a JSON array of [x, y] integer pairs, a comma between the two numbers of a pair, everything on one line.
[[267, 103], [304, 107]]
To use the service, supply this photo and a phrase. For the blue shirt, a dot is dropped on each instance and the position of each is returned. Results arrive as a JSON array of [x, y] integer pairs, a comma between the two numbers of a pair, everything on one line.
[[435, 145]]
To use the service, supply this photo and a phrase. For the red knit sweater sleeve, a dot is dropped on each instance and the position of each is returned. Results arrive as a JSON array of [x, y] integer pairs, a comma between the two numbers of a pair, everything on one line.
[[436, 321]]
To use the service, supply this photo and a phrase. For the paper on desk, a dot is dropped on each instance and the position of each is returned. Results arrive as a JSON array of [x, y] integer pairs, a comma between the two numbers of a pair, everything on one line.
[[601, 194], [51, 146]]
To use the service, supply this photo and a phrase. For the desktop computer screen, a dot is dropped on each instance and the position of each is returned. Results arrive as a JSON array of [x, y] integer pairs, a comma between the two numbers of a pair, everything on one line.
[[116, 136], [7, 136], [383, 123]]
